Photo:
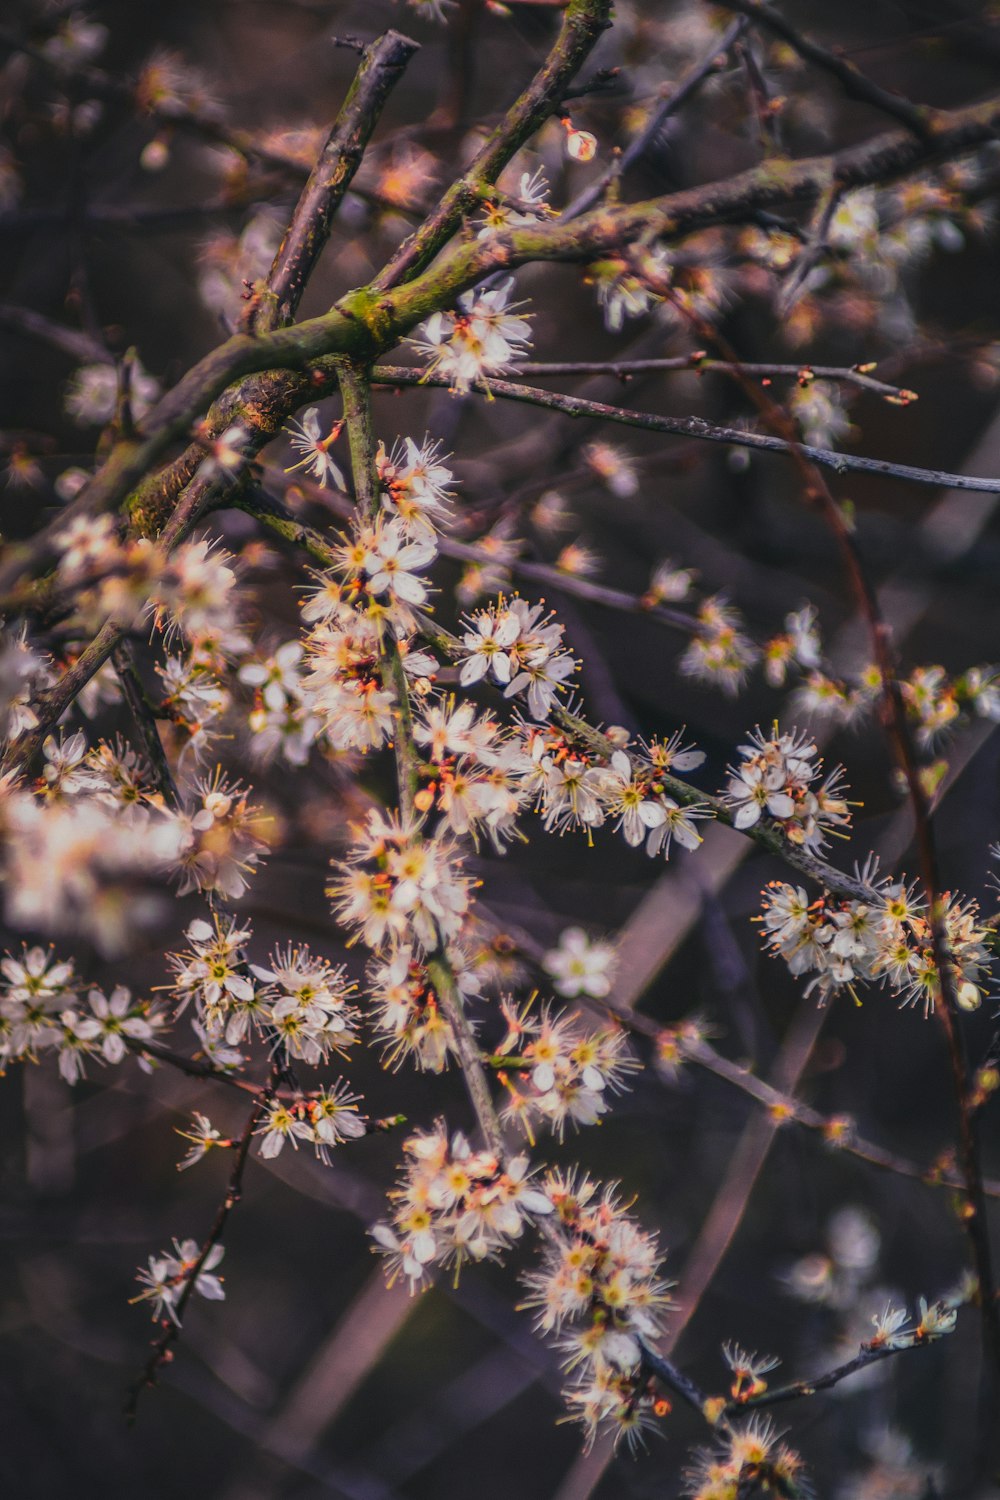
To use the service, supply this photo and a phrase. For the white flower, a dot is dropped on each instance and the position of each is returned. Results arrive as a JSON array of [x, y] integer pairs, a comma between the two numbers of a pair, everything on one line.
[[481, 339], [489, 643], [225, 454], [315, 450], [115, 1022], [580, 966], [392, 561], [92, 393], [278, 1126], [627, 796]]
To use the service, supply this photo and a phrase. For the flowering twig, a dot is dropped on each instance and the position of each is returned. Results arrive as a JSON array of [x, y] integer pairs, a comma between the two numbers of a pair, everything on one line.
[[866, 1356], [946, 1006], [368, 321], [356, 392], [163, 1348]]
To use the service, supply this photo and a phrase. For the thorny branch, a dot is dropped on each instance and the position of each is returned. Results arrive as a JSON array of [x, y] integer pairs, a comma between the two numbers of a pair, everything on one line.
[[425, 276]]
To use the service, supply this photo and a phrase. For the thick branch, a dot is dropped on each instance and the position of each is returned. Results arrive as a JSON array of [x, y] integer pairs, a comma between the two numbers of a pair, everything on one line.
[[381, 68], [366, 322], [582, 25]]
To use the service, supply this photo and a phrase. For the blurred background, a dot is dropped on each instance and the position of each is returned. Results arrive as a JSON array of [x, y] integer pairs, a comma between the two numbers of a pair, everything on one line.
[[311, 1379]]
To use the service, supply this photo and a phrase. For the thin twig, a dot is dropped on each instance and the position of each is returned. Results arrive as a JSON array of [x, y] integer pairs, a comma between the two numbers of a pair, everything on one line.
[[381, 68], [803, 373], [163, 1347], [855, 84], [135, 696], [368, 321], [695, 427], [867, 1355], [674, 101], [581, 27]]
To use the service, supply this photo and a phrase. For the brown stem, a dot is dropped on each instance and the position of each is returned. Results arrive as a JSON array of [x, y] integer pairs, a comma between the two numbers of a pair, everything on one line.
[[694, 427], [162, 1349], [946, 1008], [855, 84], [674, 102], [382, 66], [134, 694], [581, 27]]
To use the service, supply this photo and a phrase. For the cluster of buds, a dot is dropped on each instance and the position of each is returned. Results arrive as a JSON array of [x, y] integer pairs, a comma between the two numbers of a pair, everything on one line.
[[776, 777], [455, 1205]]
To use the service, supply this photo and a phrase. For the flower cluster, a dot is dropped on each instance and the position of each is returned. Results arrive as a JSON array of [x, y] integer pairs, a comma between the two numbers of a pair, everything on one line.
[[720, 653], [520, 647], [416, 485], [621, 292], [221, 844], [746, 1458], [483, 338], [397, 887], [164, 1283], [299, 1003], [776, 777], [324, 1118], [600, 1292], [283, 720], [406, 1010], [573, 788], [476, 772], [455, 1205], [885, 940], [73, 864], [40, 1009], [563, 1070]]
